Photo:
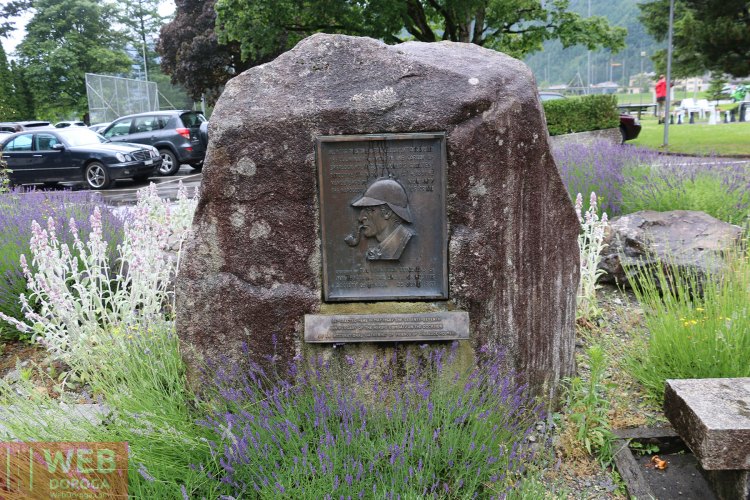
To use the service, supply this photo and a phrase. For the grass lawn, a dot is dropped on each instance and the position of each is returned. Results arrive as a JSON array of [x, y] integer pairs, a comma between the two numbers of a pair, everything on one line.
[[648, 97], [720, 139]]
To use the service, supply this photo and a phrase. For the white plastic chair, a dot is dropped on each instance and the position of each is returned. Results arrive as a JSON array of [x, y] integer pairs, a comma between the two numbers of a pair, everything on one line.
[[703, 106]]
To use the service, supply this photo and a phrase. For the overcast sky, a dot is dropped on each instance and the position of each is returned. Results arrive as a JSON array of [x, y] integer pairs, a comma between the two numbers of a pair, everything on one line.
[[9, 44]]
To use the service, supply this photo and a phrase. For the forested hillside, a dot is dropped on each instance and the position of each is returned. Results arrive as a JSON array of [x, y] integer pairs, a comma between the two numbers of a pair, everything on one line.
[[555, 65]]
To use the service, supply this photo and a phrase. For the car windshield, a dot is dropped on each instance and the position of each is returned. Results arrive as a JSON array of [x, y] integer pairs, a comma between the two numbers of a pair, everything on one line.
[[80, 137]]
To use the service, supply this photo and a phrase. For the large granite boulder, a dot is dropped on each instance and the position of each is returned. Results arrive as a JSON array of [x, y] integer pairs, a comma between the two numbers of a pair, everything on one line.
[[690, 240], [253, 267]]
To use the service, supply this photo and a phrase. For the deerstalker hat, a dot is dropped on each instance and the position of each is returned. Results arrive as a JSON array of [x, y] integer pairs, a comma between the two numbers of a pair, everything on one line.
[[386, 192]]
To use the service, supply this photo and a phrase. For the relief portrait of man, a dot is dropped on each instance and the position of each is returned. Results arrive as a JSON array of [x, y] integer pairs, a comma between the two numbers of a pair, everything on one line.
[[384, 215]]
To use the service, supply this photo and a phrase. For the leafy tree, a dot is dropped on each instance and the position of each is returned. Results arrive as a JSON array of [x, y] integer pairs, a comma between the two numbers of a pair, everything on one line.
[[708, 35], [191, 53], [516, 27], [12, 9], [66, 39], [248, 33], [716, 86]]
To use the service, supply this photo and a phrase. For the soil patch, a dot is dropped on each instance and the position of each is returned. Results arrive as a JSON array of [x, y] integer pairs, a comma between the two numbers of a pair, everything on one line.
[[15, 352]]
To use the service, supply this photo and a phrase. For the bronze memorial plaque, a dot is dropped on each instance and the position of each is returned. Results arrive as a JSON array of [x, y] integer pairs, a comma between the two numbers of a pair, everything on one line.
[[386, 327], [383, 222]]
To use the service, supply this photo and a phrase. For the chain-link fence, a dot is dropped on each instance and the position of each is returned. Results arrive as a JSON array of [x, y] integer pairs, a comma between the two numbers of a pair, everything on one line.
[[111, 97]]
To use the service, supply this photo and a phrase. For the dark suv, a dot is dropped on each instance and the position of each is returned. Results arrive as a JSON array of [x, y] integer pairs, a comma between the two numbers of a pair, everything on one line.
[[176, 134]]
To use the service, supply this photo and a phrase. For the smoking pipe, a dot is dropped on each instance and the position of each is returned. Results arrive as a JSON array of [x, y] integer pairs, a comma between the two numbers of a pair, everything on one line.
[[353, 239]]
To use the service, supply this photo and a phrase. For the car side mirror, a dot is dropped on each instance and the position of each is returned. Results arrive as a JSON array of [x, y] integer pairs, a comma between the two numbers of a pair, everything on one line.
[[58, 147]]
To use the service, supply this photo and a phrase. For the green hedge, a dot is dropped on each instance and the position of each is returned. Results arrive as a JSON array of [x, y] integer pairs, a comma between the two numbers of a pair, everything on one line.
[[581, 114]]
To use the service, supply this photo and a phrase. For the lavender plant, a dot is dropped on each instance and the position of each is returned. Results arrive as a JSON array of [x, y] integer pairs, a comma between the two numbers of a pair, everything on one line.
[[75, 297], [719, 188], [693, 335], [599, 167], [590, 244], [17, 210], [142, 386], [437, 434]]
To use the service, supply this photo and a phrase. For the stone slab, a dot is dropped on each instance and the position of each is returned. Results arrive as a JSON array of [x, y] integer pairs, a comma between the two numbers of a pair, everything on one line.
[[729, 484], [321, 328], [713, 418], [688, 239]]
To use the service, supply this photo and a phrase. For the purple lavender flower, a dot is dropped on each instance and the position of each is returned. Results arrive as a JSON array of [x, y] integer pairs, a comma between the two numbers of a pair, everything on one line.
[[145, 474], [319, 415], [599, 167]]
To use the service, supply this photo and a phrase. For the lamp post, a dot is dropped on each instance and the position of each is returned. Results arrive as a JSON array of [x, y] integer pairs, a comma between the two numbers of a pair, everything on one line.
[[640, 79], [668, 100], [588, 63]]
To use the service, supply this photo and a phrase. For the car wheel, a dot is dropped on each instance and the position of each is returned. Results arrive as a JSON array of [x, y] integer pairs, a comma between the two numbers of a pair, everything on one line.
[[169, 163], [623, 135], [97, 176]]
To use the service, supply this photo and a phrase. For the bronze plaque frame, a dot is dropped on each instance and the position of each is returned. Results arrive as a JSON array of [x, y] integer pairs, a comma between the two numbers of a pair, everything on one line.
[[383, 217]]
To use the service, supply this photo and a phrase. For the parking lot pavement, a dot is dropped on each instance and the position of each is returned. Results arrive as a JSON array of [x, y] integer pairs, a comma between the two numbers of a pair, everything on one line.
[[124, 191]]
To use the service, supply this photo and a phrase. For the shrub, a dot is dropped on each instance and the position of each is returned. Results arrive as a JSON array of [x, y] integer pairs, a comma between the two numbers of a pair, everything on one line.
[[590, 245], [434, 435], [699, 325], [581, 114], [4, 178], [720, 189], [599, 167], [587, 409], [74, 295], [18, 209]]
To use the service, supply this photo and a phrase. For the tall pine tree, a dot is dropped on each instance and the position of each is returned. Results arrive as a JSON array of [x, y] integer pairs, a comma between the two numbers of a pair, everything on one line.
[[142, 23], [8, 107], [23, 99]]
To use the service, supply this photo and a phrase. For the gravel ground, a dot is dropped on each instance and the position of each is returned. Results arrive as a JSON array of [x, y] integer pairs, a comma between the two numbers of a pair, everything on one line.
[[619, 327]]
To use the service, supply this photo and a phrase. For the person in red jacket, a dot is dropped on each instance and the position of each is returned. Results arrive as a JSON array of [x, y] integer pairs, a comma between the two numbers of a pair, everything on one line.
[[661, 98]]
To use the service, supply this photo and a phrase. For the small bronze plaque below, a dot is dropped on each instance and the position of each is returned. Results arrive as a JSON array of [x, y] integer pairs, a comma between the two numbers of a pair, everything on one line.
[[321, 328]]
